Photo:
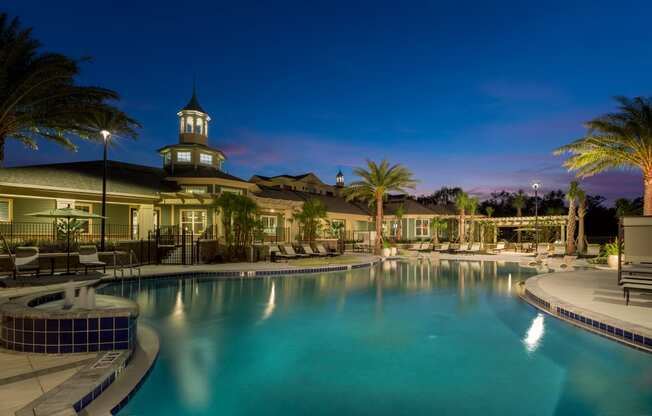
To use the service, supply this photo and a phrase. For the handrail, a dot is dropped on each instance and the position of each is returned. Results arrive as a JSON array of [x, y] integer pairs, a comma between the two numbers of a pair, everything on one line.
[[131, 265]]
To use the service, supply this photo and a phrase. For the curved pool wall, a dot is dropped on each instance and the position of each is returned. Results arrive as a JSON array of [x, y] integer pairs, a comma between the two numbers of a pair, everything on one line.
[[400, 338], [26, 328]]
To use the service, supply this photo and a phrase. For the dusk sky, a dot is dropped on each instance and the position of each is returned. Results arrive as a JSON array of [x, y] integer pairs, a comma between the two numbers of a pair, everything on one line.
[[471, 94]]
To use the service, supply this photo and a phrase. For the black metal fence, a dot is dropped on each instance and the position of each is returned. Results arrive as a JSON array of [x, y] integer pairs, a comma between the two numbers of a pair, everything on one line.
[[51, 231]]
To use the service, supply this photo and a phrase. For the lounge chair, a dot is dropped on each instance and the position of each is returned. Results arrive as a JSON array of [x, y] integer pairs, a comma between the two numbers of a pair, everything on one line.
[[543, 248], [474, 248], [463, 248], [567, 261], [89, 259], [308, 250], [416, 246], [26, 259], [559, 250], [593, 250], [500, 247], [444, 247], [323, 251], [276, 253], [425, 248], [289, 250], [539, 259]]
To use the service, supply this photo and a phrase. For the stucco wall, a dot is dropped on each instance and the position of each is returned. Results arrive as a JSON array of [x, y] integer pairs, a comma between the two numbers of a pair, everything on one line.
[[23, 206]]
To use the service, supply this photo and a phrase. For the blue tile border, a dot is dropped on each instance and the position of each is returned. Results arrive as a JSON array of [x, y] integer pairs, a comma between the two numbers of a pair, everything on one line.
[[624, 335]]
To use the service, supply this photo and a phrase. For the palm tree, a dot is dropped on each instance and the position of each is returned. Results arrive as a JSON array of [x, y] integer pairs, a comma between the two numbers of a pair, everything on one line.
[[617, 140], [571, 197], [471, 210], [462, 203], [518, 202], [436, 225], [38, 95], [376, 182], [312, 213], [581, 213]]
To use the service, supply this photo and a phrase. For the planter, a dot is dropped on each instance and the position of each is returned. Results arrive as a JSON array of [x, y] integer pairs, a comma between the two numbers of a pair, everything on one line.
[[386, 252], [612, 261], [393, 251]]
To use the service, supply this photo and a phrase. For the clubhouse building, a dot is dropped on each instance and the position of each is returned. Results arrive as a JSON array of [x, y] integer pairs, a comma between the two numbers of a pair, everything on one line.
[[181, 194]]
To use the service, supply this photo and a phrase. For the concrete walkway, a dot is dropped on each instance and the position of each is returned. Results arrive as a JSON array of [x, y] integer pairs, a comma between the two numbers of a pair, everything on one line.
[[595, 291]]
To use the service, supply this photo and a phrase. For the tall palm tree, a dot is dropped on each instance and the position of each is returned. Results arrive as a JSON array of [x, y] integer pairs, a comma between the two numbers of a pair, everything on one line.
[[376, 181], [518, 202], [471, 209], [617, 140], [571, 197], [581, 213], [462, 203], [38, 95], [436, 225]]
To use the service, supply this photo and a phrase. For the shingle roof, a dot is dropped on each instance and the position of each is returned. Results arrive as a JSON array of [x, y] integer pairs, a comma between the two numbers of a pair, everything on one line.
[[193, 104], [189, 171], [333, 203], [87, 176], [410, 207]]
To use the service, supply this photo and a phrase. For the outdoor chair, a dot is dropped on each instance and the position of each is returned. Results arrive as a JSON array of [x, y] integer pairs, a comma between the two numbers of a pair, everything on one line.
[[415, 246], [567, 261], [276, 253], [89, 259], [540, 258], [323, 251], [559, 250], [444, 247], [474, 248], [463, 248], [593, 250], [26, 259], [500, 247], [289, 250], [308, 250], [425, 248]]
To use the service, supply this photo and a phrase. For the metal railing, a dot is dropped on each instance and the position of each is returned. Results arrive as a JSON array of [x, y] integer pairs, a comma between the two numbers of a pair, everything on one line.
[[51, 231]]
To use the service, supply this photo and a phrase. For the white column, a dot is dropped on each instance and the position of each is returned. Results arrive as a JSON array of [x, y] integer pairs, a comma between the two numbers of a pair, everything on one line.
[[145, 220]]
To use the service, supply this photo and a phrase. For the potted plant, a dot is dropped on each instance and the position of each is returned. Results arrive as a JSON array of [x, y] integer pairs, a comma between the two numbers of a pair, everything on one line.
[[611, 252], [386, 249]]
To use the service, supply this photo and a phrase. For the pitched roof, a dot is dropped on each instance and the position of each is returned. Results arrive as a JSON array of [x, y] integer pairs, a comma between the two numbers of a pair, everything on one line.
[[410, 207], [333, 203], [87, 176], [189, 171], [193, 104], [294, 177]]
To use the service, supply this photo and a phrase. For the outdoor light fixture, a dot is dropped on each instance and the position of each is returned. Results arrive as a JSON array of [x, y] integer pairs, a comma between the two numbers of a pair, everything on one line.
[[106, 135], [536, 185]]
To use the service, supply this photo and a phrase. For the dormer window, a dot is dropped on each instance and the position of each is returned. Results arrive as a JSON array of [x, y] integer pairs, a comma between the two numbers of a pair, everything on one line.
[[183, 157], [205, 159]]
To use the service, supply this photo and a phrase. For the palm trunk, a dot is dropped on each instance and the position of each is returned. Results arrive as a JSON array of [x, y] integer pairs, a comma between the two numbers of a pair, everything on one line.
[[461, 230], [379, 225], [581, 247], [570, 229], [518, 232], [647, 194]]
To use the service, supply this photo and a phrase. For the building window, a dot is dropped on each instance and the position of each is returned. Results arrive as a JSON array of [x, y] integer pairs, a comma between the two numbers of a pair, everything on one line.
[[133, 220], [183, 157], [269, 224], [232, 190], [198, 128], [85, 226], [337, 228], [422, 228], [5, 210], [167, 158], [206, 159], [188, 128], [195, 189], [394, 226], [193, 220]]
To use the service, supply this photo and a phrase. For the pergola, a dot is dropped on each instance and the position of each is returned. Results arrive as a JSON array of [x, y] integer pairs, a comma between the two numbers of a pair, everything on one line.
[[525, 222]]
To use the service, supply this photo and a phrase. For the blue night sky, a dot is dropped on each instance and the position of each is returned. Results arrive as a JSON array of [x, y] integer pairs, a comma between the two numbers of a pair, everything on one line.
[[464, 93]]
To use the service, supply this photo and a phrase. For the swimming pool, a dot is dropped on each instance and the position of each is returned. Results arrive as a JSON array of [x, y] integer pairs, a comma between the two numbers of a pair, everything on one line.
[[398, 339]]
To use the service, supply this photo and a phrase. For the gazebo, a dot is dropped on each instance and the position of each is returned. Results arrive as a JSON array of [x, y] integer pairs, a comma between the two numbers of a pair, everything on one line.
[[529, 222]]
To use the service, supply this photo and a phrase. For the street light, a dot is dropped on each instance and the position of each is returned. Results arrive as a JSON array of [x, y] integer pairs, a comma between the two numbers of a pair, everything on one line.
[[106, 135], [536, 185]]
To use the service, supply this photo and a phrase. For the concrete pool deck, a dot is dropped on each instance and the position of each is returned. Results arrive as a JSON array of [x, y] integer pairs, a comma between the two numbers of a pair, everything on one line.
[[593, 300]]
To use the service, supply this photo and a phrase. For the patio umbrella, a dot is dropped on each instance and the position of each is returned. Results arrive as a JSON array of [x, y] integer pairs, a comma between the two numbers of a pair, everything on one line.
[[68, 214]]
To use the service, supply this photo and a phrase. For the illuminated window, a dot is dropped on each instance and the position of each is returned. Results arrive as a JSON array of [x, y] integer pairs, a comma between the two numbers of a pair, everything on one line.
[[269, 224], [188, 128], [206, 159], [421, 228], [167, 158], [195, 189], [5, 210], [198, 129], [183, 157]]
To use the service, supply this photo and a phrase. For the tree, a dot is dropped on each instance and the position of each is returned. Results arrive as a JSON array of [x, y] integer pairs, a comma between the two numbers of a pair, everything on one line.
[[518, 202], [310, 218], [571, 197], [436, 225], [615, 141], [375, 183], [462, 203], [38, 96], [625, 207], [581, 213], [471, 209], [240, 222]]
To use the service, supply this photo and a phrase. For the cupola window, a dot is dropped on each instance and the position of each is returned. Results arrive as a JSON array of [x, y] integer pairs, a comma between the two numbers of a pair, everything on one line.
[[183, 157], [206, 159]]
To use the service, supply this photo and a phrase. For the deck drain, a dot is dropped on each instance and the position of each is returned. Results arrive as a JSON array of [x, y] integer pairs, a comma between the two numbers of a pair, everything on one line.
[[107, 360]]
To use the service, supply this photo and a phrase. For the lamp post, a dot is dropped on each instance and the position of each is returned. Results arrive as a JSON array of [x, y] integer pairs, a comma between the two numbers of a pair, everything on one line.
[[106, 135], [536, 185]]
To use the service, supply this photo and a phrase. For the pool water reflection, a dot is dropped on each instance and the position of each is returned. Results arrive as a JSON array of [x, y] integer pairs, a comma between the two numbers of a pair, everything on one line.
[[402, 338]]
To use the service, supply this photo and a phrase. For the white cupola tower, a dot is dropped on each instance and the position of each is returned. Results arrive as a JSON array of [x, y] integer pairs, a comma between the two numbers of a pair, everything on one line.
[[193, 122], [339, 180]]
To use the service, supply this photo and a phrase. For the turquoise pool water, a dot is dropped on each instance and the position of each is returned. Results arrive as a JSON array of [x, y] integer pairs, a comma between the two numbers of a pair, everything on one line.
[[446, 338]]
